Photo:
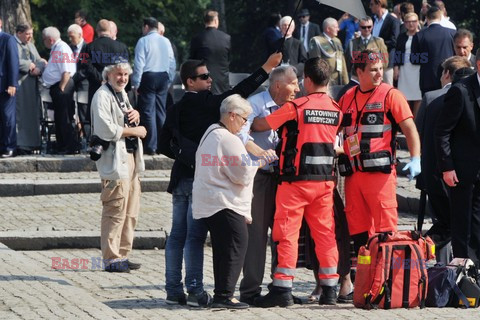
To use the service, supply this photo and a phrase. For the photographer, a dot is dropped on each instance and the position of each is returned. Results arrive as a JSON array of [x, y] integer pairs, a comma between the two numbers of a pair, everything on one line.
[[119, 154]]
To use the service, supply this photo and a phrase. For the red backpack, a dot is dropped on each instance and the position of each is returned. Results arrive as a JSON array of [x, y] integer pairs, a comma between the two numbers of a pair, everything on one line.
[[391, 271]]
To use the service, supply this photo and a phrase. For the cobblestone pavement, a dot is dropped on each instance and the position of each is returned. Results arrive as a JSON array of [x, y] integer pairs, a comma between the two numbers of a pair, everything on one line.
[[38, 291]]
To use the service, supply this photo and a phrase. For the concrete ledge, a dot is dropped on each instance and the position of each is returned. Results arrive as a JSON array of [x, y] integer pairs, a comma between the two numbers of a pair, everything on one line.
[[45, 240], [74, 163], [30, 187]]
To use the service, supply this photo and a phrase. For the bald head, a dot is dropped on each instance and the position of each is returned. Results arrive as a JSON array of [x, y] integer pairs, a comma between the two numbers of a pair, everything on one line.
[[103, 28], [161, 28], [113, 30]]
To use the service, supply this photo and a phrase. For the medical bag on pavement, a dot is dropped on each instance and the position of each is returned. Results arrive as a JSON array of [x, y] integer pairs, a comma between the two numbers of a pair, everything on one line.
[[442, 287], [467, 281], [392, 272]]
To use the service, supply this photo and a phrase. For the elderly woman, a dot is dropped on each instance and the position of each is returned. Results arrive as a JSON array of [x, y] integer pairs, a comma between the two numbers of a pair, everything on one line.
[[408, 74], [222, 196]]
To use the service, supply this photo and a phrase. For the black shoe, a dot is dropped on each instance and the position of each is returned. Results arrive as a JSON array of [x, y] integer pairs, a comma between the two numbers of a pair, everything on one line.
[[174, 300], [149, 152], [275, 298], [120, 266], [329, 296], [249, 300], [133, 265], [9, 154], [231, 303], [199, 300], [345, 299]]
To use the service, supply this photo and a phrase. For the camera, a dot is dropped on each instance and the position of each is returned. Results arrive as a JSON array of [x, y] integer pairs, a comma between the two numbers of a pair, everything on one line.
[[131, 143], [97, 146]]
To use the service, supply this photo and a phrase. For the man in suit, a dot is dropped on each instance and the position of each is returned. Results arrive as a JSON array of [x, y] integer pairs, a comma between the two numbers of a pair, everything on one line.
[[430, 179], [77, 44], [307, 30], [293, 52], [457, 143], [430, 47], [100, 53], [213, 46], [328, 47], [386, 27], [154, 70], [463, 42], [8, 87], [365, 41], [272, 34]]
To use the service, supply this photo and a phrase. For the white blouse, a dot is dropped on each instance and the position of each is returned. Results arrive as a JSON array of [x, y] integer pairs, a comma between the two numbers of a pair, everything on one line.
[[224, 175]]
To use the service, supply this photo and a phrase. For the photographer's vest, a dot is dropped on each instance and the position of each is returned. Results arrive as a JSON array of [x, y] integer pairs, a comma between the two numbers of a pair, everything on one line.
[[307, 151], [369, 132]]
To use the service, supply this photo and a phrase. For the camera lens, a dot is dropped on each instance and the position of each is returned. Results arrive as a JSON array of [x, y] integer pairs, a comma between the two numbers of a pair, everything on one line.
[[96, 152]]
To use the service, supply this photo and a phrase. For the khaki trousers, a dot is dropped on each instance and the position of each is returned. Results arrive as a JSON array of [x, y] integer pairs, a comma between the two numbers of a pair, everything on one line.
[[121, 205]]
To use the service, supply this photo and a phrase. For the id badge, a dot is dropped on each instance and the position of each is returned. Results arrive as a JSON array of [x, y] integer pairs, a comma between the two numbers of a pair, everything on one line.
[[339, 62], [353, 145]]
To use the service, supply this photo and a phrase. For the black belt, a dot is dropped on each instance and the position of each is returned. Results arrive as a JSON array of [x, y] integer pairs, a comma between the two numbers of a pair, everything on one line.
[[266, 172]]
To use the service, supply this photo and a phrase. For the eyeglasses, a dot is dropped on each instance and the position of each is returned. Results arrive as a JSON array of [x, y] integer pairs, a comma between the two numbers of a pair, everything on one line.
[[203, 76], [302, 16], [244, 119], [366, 27]]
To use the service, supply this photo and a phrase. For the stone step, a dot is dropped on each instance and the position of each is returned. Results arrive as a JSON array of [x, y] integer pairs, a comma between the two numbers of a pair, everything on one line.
[[69, 163], [45, 183]]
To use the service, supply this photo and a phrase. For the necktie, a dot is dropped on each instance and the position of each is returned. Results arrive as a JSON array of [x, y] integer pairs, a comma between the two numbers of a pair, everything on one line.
[[303, 32], [365, 42]]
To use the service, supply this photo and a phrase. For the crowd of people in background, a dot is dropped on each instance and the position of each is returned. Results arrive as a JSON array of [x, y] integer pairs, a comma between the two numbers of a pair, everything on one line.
[[401, 70]]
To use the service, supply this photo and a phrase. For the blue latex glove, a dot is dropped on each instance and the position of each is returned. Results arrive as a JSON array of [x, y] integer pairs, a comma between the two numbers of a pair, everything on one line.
[[413, 168]]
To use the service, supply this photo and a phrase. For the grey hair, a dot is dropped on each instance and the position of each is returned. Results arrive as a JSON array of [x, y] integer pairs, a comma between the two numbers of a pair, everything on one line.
[[120, 65], [286, 19], [236, 104], [51, 32], [327, 23], [280, 72], [75, 28], [366, 19]]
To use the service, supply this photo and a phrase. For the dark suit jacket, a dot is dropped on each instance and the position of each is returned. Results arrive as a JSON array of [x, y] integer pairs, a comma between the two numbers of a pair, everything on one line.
[[293, 53], [271, 36], [430, 47], [197, 112], [457, 133], [9, 64], [431, 178], [102, 52], [80, 75], [313, 30], [389, 33], [213, 46]]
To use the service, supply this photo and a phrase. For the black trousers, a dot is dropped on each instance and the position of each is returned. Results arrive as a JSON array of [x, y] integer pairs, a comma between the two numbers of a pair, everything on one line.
[[465, 219], [263, 210], [229, 235], [64, 108]]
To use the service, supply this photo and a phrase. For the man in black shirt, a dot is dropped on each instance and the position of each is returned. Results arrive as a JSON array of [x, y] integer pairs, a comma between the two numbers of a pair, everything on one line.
[[196, 111]]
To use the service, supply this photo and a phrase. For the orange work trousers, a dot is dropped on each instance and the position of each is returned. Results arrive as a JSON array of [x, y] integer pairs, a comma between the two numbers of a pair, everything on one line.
[[314, 201], [371, 202]]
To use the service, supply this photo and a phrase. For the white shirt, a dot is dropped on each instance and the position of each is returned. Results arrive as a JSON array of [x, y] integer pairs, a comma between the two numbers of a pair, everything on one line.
[[220, 185], [445, 22], [61, 60]]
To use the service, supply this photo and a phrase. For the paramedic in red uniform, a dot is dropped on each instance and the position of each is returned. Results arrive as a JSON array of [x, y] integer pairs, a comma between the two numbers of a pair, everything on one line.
[[373, 112], [310, 125]]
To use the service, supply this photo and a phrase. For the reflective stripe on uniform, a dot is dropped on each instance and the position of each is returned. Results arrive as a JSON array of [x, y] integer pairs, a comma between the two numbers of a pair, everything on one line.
[[286, 271], [328, 282], [331, 270], [282, 283], [368, 163], [375, 128], [318, 160]]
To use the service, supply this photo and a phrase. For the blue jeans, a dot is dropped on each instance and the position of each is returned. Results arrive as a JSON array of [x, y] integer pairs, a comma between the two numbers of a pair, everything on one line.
[[187, 237]]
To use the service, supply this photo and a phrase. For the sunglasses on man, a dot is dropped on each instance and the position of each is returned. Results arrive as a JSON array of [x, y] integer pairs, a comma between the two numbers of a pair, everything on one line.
[[203, 76], [366, 27]]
